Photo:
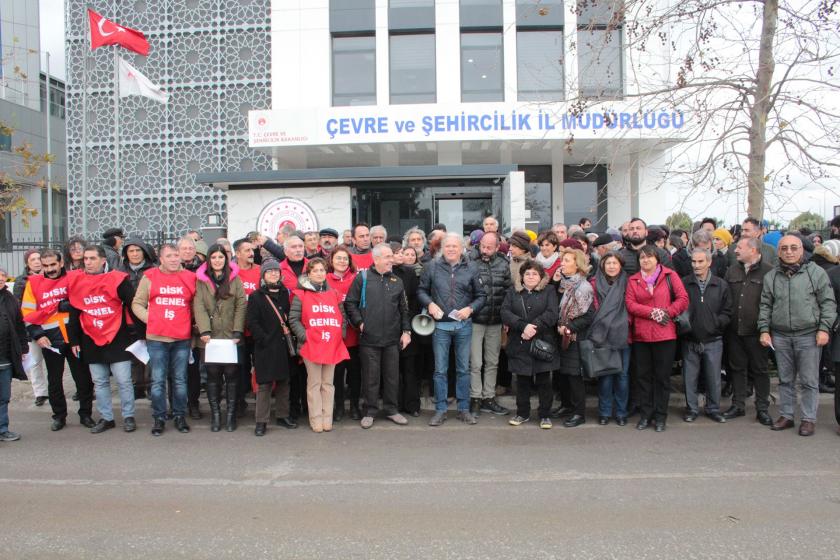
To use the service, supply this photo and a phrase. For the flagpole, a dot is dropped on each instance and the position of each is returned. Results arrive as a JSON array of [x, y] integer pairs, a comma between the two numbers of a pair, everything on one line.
[[85, 48], [117, 188]]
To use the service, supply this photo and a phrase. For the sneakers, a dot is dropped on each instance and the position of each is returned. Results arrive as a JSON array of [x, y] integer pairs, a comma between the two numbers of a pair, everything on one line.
[[466, 417], [518, 420], [129, 425], [438, 419], [545, 423], [9, 436], [398, 419], [39, 401], [491, 406], [367, 422]]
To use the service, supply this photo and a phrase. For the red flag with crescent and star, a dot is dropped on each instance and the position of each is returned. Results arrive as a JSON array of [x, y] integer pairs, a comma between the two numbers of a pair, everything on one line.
[[105, 32]]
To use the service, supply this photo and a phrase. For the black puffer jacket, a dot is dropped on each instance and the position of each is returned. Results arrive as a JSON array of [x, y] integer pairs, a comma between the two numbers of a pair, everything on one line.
[[631, 259], [386, 313], [495, 275], [451, 287], [681, 263], [710, 312], [18, 338], [519, 309]]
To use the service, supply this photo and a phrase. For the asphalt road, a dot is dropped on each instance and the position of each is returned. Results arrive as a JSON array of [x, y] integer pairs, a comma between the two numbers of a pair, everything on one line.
[[701, 491]]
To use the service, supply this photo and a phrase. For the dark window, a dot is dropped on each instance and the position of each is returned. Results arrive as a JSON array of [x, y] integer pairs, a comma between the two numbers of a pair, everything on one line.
[[411, 15], [354, 70], [352, 16], [537, 196], [413, 68], [481, 13], [600, 49], [482, 66], [585, 195], [5, 142], [352, 25]]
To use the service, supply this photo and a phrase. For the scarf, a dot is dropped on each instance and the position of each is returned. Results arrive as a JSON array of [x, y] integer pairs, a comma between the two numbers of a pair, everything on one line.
[[547, 262], [790, 269], [576, 298], [610, 325], [650, 281]]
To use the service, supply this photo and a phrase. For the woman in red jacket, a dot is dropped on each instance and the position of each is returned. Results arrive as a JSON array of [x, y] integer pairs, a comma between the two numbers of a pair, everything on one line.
[[651, 306], [340, 274]]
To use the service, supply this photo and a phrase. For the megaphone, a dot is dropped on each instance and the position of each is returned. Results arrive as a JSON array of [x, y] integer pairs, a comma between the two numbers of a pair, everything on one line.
[[423, 324]]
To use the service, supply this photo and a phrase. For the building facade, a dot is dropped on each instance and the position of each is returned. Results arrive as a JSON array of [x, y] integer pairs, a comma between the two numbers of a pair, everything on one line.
[[414, 112], [213, 59]]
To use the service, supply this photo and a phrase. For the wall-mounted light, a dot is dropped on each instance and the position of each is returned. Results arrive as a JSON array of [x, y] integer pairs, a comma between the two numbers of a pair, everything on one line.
[[214, 220]]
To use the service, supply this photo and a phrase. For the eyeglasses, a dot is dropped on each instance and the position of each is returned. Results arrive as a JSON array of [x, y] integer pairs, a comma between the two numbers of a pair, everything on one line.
[[790, 248]]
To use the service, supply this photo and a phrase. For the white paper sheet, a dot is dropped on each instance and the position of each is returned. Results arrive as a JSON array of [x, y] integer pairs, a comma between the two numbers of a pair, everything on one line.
[[54, 349], [140, 351], [221, 351], [29, 361]]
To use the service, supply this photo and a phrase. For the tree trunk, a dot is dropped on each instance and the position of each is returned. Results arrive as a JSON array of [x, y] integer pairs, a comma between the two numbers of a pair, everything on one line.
[[760, 109]]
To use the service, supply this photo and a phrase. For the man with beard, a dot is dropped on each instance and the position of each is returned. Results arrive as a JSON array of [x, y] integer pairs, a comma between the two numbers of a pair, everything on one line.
[[329, 240], [46, 315], [635, 239], [99, 333]]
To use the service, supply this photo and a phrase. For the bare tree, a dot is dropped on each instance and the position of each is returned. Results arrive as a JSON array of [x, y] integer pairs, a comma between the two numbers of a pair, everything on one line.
[[757, 80]]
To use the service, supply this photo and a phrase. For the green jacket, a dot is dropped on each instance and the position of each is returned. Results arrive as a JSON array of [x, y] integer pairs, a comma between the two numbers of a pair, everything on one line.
[[797, 305], [224, 318]]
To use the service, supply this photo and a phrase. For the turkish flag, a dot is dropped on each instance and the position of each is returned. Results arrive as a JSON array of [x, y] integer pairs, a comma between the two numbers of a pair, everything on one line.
[[105, 32]]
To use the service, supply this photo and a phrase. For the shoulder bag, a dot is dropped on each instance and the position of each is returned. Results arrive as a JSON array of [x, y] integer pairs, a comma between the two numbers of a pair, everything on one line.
[[597, 361], [291, 343], [540, 349]]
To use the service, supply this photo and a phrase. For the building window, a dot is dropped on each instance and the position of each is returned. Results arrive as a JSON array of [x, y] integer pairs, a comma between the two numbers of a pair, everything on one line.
[[59, 208], [412, 51], [585, 195], [352, 26], [600, 43], [537, 196], [539, 50], [482, 71], [5, 141]]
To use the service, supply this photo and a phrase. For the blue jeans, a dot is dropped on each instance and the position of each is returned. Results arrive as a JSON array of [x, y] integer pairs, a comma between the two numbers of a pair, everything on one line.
[[615, 388], [441, 341], [5, 397], [102, 387], [798, 358], [169, 362]]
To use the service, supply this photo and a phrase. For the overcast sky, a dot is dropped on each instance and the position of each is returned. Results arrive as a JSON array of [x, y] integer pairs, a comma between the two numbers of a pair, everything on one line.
[[814, 198]]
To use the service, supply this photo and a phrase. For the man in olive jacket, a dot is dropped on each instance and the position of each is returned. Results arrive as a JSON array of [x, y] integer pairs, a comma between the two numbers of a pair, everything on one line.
[[796, 315], [376, 305], [494, 272], [746, 355]]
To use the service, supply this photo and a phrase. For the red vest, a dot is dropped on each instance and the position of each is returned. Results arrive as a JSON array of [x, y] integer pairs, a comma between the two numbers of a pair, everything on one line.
[[170, 303], [342, 286], [288, 276], [363, 262], [95, 295], [321, 316], [250, 280], [48, 294]]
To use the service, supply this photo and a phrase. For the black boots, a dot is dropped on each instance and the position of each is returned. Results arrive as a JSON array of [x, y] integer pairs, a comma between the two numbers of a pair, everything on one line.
[[231, 406], [215, 409]]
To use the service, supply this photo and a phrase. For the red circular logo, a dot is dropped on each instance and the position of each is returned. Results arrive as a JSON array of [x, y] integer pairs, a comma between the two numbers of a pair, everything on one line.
[[286, 211]]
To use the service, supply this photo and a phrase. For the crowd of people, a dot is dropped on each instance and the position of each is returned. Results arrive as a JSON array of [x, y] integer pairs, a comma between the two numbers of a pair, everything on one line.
[[319, 326]]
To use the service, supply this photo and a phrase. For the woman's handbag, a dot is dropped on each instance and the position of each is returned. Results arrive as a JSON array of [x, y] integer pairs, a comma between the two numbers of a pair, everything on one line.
[[597, 361], [290, 338], [541, 350], [681, 321]]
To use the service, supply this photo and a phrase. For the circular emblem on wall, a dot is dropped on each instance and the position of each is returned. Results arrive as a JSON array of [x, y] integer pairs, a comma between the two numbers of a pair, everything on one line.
[[283, 211]]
